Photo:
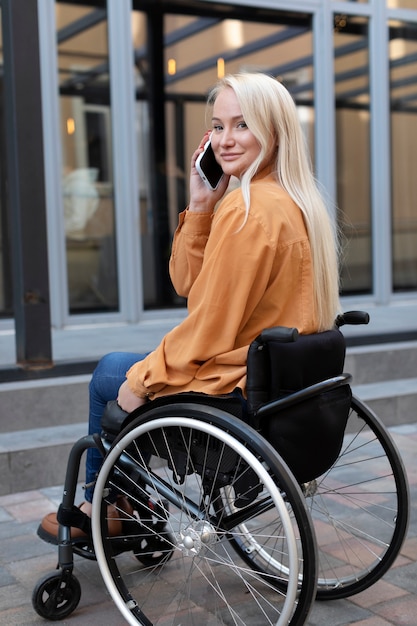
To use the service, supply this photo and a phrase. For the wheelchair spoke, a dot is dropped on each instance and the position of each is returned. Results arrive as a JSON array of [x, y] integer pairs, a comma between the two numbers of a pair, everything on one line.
[[360, 508], [221, 560]]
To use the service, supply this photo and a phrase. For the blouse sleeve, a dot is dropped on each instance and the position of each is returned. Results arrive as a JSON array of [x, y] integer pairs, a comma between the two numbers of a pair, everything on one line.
[[188, 247]]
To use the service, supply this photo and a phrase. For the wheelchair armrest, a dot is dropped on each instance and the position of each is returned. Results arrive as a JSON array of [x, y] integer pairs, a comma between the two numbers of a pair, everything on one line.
[[278, 333], [113, 418], [352, 318], [300, 396], [258, 370]]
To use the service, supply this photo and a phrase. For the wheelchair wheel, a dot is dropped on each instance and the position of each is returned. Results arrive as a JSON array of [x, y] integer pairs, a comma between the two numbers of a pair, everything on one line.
[[56, 596], [359, 508], [208, 453]]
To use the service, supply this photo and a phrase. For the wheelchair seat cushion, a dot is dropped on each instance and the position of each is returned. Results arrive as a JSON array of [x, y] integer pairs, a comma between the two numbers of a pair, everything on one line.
[[114, 419]]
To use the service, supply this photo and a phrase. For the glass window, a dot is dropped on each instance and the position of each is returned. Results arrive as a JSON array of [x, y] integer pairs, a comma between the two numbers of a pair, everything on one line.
[[403, 69], [87, 158], [351, 65], [401, 4], [196, 51]]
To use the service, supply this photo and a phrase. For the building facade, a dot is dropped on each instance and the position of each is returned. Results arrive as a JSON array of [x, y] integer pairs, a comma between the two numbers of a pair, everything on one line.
[[103, 106]]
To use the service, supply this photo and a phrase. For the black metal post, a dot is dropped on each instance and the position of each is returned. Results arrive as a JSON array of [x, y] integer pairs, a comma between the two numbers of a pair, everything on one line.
[[25, 182], [159, 196], [179, 153], [5, 272]]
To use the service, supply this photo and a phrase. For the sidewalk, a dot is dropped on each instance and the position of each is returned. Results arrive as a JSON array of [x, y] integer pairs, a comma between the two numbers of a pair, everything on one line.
[[25, 559]]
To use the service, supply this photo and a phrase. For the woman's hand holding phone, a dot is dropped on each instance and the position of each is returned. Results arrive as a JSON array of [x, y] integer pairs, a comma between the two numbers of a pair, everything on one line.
[[203, 197]]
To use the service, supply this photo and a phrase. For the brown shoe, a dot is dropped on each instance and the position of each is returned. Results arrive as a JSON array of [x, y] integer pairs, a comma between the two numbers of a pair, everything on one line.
[[49, 526], [124, 508]]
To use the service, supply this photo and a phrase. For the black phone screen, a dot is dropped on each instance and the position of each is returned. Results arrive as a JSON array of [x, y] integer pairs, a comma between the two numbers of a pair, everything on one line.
[[210, 168]]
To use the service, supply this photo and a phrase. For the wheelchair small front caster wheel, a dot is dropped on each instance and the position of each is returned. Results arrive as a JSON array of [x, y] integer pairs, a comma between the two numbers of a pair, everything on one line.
[[56, 596]]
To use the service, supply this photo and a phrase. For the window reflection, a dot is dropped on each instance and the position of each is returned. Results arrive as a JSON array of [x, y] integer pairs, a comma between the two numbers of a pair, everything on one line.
[[403, 81], [353, 151], [401, 4], [87, 158]]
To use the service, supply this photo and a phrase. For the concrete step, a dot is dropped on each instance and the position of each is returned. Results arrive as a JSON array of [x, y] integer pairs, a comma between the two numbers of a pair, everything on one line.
[[382, 362], [42, 419], [35, 458], [394, 401], [42, 403]]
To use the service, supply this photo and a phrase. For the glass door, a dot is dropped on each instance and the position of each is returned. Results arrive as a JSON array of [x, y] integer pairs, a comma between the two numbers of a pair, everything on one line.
[[352, 102], [403, 66], [87, 167]]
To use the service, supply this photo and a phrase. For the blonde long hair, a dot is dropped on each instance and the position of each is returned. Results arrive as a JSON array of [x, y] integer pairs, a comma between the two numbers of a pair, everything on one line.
[[271, 115]]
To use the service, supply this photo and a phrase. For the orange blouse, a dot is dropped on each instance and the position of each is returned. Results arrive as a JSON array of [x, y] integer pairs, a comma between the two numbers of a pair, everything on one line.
[[238, 281]]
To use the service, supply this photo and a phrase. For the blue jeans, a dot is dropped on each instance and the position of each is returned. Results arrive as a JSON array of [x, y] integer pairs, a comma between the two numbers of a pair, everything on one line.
[[109, 374]]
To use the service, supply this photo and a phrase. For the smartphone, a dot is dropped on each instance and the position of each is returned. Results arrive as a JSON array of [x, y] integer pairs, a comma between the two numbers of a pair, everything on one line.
[[208, 168]]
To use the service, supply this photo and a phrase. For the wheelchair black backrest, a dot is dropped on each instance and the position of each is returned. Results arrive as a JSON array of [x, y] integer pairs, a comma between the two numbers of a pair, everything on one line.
[[280, 361], [308, 434]]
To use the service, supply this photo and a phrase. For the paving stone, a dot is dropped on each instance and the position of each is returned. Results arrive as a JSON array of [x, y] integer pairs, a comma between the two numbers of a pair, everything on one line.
[[335, 613], [400, 612], [371, 621], [381, 591], [404, 577], [6, 578], [4, 515]]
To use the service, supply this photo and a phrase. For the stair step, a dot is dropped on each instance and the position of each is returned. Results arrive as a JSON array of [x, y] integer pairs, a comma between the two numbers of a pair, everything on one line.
[[37, 457], [382, 362], [36, 438], [387, 389], [42, 403], [34, 458], [393, 401]]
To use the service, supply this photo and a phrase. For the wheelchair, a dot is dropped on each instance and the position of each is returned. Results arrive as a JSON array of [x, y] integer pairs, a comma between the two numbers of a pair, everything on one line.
[[240, 514]]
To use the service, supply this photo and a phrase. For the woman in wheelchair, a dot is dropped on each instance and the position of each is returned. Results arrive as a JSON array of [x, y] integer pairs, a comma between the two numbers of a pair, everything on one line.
[[261, 255]]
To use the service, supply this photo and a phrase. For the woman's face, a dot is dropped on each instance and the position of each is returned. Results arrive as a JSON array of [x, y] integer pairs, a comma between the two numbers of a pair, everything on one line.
[[234, 146]]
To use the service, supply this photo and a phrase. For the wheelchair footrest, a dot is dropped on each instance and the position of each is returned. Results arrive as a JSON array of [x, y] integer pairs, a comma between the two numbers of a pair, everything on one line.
[[74, 517]]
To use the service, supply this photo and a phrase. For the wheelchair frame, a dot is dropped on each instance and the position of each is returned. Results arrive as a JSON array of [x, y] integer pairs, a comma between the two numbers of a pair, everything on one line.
[[222, 510]]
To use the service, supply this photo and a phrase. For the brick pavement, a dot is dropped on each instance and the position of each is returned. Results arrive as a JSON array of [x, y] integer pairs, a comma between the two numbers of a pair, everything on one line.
[[24, 558]]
